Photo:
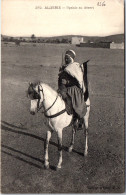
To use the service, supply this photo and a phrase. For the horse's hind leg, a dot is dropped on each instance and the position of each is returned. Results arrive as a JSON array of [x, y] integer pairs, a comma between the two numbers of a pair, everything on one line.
[[59, 148], [46, 146], [72, 141]]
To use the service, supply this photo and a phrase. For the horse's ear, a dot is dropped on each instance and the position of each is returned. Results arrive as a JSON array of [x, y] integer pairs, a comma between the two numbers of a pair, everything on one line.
[[30, 84]]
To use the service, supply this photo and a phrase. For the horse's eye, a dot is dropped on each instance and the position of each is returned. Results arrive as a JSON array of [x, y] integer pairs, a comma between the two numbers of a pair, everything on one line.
[[36, 95], [33, 94]]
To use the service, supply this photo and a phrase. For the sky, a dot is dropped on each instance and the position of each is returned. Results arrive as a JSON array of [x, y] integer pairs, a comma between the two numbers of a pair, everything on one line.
[[67, 17]]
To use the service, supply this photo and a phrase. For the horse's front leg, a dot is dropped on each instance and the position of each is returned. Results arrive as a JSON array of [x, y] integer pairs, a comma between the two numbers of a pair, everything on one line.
[[72, 141], [86, 142], [46, 146], [59, 148], [86, 117]]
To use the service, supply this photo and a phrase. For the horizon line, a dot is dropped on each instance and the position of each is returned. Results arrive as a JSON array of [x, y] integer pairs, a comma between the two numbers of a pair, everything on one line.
[[61, 35]]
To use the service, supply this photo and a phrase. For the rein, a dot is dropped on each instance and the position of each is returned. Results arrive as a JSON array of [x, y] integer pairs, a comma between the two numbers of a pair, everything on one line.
[[44, 112]]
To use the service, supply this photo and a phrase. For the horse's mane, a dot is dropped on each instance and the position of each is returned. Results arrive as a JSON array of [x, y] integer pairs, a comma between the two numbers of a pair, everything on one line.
[[48, 87], [44, 85]]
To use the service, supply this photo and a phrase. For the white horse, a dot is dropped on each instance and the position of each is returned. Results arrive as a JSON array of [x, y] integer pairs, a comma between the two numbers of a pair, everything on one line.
[[41, 95]]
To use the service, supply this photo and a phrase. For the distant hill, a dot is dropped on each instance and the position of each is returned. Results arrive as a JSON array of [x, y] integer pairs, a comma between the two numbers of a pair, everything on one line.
[[113, 38], [119, 38]]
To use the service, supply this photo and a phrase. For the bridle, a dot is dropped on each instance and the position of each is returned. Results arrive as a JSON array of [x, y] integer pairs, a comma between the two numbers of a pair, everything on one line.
[[42, 105], [38, 96]]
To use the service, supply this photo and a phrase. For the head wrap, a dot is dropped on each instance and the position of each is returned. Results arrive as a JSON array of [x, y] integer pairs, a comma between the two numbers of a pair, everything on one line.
[[71, 54]]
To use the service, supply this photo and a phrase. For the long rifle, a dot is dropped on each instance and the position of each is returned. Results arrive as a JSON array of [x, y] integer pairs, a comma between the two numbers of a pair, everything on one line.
[[62, 58], [86, 93], [62, 62]]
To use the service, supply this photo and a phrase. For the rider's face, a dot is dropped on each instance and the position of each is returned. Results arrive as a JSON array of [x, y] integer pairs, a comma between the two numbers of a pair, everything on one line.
[[67, 59]]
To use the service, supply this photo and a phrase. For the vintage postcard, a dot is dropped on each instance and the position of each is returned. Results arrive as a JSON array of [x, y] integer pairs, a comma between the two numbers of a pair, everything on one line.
[[62, 96]]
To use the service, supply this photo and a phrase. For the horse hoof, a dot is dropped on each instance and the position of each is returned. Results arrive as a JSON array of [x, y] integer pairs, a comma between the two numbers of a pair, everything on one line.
[[85, 153], [70, 149], [46, 166], [58, 168]]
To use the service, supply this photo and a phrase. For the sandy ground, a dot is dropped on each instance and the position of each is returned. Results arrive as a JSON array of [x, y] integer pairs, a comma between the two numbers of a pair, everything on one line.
[[23, 135]]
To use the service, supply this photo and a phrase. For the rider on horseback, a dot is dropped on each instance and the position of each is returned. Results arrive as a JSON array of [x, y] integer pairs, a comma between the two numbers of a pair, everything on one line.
[[71, 86]]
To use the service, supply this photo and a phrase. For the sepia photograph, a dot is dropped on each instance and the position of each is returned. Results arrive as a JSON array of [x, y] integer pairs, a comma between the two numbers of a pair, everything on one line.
[[62, 96]]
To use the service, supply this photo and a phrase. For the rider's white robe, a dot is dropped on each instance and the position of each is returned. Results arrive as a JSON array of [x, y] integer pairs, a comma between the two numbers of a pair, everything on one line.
[[76, 70]]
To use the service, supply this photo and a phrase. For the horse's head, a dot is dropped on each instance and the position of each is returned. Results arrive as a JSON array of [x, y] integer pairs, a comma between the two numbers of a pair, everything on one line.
[[35, 94]]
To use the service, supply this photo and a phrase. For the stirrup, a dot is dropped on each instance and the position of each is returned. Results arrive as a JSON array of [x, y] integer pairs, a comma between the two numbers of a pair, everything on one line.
[[80, 127], [81, 124], [78, 124]]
